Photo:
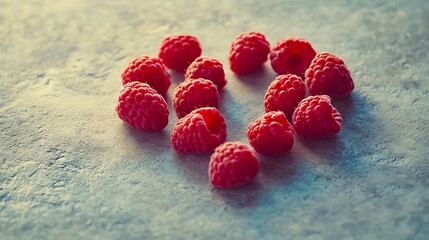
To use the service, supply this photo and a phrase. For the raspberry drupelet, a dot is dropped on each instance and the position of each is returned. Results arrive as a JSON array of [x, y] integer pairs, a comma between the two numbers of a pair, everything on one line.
[[233, 164], [193, 94], [142, 107], [148, 70], [315, 117], [292, 55], [201, 131], [271, 134], [248, 52], [328, 74], [284, 94], [208, 68], [179, 51]]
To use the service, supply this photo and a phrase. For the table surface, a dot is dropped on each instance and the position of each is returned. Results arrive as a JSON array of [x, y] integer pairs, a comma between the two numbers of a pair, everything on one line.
[[70, 169]]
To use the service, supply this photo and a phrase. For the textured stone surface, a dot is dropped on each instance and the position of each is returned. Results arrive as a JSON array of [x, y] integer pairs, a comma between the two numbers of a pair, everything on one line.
[[70, 169]]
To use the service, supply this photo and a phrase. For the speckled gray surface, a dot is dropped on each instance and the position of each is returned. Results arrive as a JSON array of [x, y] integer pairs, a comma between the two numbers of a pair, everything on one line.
[[69, 168]]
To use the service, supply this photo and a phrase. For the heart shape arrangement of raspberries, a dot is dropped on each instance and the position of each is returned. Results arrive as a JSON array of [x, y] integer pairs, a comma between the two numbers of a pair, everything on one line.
[[201, 128]]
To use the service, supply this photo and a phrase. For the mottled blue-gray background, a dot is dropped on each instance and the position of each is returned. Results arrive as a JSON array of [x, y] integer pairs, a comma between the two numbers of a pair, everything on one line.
[[70, 169]]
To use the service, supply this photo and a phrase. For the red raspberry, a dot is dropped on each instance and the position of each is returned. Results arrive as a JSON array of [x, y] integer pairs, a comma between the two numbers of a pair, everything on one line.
[[292, 55], [248, 52], [149, 70], [190, 95], [178, 51], [271, 134], [201, 131], [328, 74], [315, 117], [142, 107], [208, 68], [232, 164], [284, 94]]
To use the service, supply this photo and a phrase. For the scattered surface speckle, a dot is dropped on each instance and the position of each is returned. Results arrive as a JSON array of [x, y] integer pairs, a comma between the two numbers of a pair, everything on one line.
[[70, 169]]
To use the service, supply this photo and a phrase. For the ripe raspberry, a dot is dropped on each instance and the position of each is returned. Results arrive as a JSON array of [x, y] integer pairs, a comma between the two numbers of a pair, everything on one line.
[[149, 70], [208, 68], [201, 131], [249, 51], [328, 74], [284, 94], [178, 51], [232, 164], [271, 134], [190, 95], [315, 117], [142, 107], [292, 55]]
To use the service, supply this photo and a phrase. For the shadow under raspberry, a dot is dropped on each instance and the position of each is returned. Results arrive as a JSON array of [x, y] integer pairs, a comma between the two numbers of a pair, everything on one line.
[[258, 80], [344, 150], [272, 173], [176, 77], [158, 141], [278, 170], [193, 167], [246, 196]]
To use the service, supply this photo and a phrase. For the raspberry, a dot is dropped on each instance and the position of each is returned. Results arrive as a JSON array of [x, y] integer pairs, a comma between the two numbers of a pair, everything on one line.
[[284, 94], [249, 51], [142, 107], [178, 51], [292, 55], [149, 70], [201, 131], [315, 117], [232, 164], [271, 134], [208, 68], [328, 74], [190, 95]]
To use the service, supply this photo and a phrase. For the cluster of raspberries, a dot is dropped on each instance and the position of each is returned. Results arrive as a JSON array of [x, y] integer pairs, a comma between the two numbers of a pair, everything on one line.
[[201, 128]]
